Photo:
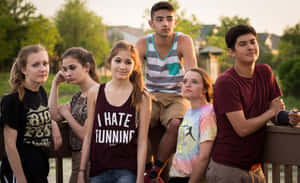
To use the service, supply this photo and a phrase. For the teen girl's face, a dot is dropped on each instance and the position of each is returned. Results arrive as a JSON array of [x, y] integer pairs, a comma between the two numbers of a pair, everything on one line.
[[192, 86], [74, 72], [122, 65], [37, 68]]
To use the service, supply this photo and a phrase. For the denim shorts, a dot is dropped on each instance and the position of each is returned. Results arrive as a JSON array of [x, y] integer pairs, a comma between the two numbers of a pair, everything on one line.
[[114, 176]]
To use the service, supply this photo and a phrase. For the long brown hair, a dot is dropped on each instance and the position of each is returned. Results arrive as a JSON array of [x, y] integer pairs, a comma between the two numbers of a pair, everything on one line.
[[83, 56], [17, 78], [136, 77], [207, 83]]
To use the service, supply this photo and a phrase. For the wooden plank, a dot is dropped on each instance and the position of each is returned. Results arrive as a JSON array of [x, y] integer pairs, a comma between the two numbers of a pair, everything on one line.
[[59, 170], [275, 173], [265, 169], [280, 145], [298, 176], [288, 174]]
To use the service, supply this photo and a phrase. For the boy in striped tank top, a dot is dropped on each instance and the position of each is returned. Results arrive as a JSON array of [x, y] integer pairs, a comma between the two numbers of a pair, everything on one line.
[[167, 55]]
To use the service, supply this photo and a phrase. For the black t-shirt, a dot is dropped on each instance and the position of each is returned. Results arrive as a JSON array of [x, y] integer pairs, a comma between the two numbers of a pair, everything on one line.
[[31, 119]]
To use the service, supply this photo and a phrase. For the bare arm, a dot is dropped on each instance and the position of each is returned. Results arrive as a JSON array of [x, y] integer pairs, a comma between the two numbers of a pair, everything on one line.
[[56, 135], [92, 96], [244, 127], [144, 122], [10, 139], [201, 162], [53, 97], [187, 51], [141, 46], [78, 129]]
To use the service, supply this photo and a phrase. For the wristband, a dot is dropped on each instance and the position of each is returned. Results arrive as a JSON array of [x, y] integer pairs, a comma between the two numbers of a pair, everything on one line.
[[283, 118]]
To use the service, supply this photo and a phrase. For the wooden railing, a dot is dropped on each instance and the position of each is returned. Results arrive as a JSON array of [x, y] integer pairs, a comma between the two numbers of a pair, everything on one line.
[[282, 154]]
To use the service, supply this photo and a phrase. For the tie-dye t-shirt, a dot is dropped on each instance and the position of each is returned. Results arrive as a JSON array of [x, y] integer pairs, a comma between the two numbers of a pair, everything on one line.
[[198, 126]]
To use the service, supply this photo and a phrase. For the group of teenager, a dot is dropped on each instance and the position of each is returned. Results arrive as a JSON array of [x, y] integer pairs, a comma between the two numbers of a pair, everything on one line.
[[212, 134]]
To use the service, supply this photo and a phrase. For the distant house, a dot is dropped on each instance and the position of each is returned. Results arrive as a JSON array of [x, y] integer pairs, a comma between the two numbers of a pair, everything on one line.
[[206, 30], [125, 32], [271, 40]]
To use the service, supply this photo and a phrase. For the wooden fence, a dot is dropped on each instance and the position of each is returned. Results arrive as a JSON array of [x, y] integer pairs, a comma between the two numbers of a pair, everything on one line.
[[282, 153]]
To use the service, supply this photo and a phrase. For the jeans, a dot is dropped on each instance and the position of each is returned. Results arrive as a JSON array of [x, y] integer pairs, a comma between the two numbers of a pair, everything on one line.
[[114, 176]]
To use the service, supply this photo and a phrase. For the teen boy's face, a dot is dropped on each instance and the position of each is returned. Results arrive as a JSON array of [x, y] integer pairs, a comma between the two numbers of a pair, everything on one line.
[[246, 49], [163, 22]]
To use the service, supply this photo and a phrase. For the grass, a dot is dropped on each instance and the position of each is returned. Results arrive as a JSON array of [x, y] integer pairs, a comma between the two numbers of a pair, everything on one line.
[[65, 90]]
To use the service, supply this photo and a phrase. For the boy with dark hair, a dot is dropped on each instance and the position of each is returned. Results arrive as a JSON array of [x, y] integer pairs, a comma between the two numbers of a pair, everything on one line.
[[246, 97], [167, 55], [163, 5]]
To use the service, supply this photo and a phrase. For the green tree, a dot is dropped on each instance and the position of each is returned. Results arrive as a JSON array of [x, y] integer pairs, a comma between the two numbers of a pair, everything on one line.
[[8, 47], [14, 16], [228, 22], [218, 37], [42, 30], [19, 26], [265, 55], [80, 27], [289, 45], [289, 74]]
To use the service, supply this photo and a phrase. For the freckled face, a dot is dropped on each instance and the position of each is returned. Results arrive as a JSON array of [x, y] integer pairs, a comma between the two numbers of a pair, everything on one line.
[[37, 68], [192, 86]]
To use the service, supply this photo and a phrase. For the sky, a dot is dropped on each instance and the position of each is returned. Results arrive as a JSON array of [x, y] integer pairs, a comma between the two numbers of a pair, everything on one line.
[[271, 16]]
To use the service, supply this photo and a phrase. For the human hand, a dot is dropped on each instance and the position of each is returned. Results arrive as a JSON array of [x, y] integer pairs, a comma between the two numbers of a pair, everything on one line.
[[294, 117], [277, 105], [80, 178], [21, 180], [59, 78], [64, 110]]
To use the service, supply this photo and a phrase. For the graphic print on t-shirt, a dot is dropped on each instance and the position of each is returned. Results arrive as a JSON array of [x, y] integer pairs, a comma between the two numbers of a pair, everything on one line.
[[38, 127], [186, 136], [188, 132], [115, 128]]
